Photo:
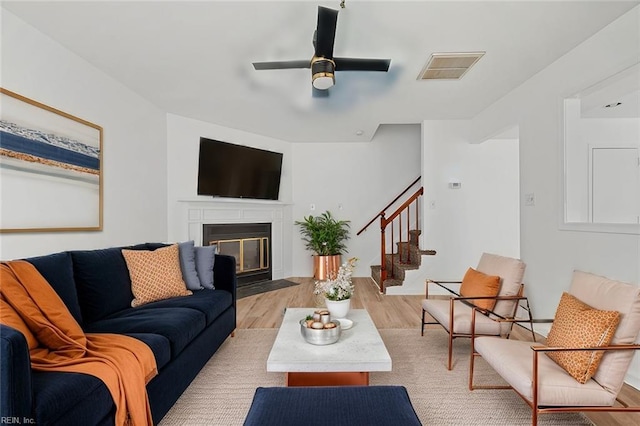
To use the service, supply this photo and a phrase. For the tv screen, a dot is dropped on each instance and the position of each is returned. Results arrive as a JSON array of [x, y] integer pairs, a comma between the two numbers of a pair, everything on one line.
[[236, 171]]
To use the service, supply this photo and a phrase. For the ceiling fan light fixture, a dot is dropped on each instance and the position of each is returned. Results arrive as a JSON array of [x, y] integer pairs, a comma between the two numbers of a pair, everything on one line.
[[322, 76], [323, 81]]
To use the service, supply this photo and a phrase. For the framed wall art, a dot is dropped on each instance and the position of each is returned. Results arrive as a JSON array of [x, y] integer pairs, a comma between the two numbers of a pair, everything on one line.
[[50, 168]]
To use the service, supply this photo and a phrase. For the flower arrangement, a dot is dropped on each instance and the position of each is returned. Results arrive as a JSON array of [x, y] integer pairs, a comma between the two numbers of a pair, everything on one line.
[[339, 286]]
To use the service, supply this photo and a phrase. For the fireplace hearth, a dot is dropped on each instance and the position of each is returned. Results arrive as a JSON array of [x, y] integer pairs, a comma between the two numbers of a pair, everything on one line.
[[249, 243]]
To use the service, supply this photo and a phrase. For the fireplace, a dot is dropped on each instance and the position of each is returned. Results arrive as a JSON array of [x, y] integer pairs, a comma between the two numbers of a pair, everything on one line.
[[249, 243]]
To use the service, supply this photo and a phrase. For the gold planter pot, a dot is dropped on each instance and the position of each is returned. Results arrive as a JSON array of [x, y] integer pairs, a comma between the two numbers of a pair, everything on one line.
[[326, 266]]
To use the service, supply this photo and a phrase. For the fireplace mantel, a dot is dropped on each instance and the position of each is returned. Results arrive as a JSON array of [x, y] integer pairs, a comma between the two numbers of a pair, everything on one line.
[[197, 212], [231, 201]]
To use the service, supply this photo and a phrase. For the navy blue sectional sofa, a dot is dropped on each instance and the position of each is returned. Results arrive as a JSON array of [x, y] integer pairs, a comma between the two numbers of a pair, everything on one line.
[[183, 333]]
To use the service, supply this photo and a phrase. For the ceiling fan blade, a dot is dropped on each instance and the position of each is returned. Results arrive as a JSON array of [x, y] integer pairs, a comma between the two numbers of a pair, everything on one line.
[[361, 64], [325, 32], [281, 65]]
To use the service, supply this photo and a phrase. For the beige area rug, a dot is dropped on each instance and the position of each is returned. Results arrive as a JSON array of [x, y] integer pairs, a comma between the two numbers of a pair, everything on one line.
[[223, 391]]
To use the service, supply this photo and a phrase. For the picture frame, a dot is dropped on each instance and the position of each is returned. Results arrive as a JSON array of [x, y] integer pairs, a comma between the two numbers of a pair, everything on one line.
[[51, 168]]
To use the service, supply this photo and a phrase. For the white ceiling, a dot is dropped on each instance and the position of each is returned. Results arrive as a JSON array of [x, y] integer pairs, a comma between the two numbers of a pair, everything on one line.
[[194, 58]]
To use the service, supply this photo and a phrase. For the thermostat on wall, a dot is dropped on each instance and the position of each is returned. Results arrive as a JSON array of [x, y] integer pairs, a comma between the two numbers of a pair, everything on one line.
[[455, 185]]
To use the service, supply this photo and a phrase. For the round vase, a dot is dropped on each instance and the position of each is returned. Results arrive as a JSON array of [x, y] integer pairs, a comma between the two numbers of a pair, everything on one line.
[[338, 309]]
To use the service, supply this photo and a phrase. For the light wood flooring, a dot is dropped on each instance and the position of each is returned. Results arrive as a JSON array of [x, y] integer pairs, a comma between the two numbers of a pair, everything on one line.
[[265, 311]]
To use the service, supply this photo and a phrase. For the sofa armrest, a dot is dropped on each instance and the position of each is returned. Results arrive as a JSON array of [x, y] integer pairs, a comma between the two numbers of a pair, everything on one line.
[[224, 274], [16, 395]]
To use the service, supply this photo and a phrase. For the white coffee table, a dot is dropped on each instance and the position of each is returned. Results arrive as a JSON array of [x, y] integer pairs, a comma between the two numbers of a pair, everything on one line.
[[359, 351]]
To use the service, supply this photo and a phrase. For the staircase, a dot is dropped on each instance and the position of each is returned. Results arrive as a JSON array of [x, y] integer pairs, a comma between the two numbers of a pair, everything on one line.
[[403, 269]]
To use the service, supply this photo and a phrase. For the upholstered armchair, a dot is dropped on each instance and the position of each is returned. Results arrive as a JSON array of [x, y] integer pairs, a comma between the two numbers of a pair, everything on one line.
[[568, 374], [495, 287]]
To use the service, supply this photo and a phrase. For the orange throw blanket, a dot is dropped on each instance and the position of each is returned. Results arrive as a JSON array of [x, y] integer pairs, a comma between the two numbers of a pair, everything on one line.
[[123, 363]]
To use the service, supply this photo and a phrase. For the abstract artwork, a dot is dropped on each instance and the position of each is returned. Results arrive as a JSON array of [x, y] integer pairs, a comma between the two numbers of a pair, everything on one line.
[[50, 168]]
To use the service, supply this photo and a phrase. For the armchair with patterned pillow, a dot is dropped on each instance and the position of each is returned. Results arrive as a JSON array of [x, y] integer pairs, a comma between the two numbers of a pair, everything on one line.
[[568, 373]]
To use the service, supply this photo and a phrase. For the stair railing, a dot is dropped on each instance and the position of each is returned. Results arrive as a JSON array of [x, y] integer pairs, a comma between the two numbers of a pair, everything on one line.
[[385, 222], [382, 212]]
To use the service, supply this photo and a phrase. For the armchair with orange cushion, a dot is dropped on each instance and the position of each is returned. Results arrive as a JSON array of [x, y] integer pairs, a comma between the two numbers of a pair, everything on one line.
[[567, 374], [494, 287]]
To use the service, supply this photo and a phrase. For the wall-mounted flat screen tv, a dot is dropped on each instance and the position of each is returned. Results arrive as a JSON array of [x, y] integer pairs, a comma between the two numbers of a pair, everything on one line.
[[236, 171]]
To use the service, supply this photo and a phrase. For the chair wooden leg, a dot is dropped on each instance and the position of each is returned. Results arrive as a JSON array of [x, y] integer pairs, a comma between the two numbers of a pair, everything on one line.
[[451, 328], [450, 350], [534, 400], [471, 364]]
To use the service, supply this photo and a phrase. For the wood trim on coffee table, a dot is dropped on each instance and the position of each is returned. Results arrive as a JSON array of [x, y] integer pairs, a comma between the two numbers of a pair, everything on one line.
[[327, 379]]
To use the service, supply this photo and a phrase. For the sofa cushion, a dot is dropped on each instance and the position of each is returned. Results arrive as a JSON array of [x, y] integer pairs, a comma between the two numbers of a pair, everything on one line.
[[153, 246], [439, 310], [59, 397], [212, 303], [511, 272], [158, 344], [103, 282], [578, 325], [513, 360], [155, 275], [179, 325], [57, 269], [607, 294]]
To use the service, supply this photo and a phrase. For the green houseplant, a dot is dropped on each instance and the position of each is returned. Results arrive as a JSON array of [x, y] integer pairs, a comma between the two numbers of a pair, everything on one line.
[[325, 236]]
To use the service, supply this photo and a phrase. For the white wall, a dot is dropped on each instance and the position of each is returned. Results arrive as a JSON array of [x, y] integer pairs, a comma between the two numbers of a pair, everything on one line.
[[582, 134], [552, 254], [183, 144], [134, 141], [362, 178], [483, 215]]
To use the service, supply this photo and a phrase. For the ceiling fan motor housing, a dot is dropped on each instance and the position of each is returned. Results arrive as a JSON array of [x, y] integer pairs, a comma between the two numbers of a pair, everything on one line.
[[322, 76]]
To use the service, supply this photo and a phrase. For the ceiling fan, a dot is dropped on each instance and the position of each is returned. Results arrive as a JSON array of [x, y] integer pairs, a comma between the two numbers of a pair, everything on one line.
[[323, 64]]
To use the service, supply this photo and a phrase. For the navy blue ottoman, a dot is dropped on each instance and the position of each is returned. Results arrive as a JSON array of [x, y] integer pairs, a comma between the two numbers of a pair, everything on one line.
[[335, 406]]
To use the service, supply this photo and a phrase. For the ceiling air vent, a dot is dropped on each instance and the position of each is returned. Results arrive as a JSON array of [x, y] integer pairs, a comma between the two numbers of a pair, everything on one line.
[[449, 66]]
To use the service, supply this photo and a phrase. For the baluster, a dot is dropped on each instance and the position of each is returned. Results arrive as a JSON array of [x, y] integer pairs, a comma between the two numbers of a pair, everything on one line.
[[399, 237], [383, 264], [408, 233], [392, 251], [417, 224]]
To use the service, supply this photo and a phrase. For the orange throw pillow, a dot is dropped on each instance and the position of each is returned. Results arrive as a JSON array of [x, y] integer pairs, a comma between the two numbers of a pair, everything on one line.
[[155, 275], [476, 283], [578, 325]]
